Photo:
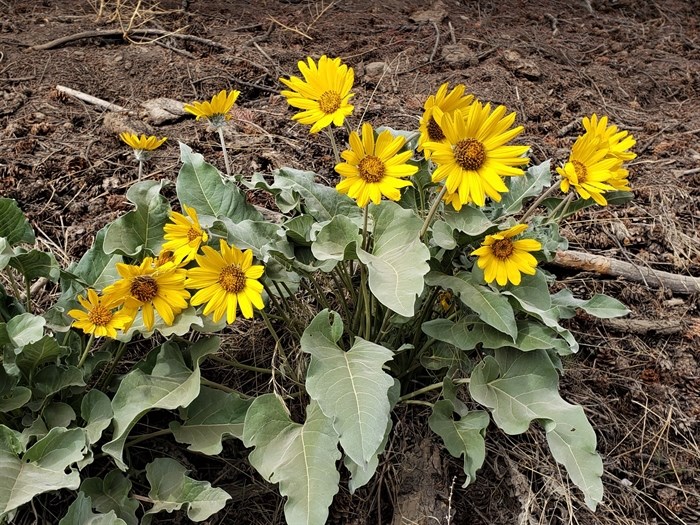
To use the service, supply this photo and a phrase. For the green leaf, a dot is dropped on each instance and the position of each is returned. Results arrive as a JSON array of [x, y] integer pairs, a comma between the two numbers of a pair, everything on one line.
[[80, 512], [519, 387], [443, 235], [43, 468], [462, 437], [172, 490], [263, 238], [199, 185], [299, 229], [211, 416], [301, 458], [33, 355], [294, 187], [399, 259], [469, 220], [491, 307], [456, 334], [171, 384], [33, 264], [54, 378], [337, 240], [142, 228], [600, 305], [531, 184], [12, 396], [25, 329], [96, 268], [6, 252], [96, 411], [111, 494], [350, 387], [13, 224], [58, 414], [183, 323]]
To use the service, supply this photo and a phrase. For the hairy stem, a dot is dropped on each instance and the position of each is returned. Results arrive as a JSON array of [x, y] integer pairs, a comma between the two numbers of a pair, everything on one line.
[[431, 213]]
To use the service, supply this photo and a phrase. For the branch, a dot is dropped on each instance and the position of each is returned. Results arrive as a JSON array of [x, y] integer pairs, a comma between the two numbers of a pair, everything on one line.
[[606, 266], [125, 35], [90, 99]]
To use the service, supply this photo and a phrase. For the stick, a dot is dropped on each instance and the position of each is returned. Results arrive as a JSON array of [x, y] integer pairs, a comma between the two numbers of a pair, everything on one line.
[[644, 326], [134, 32], [606, 266], [90, 99]]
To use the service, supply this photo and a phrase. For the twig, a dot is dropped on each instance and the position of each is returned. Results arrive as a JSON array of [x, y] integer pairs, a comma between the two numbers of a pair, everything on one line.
[[292, 29], [437, 42], [135, 32], [606, 266], [90, 99], [644, 326]]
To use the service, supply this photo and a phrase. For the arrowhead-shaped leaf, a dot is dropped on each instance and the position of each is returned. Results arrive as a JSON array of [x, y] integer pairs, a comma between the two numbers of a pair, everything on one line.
[[111, 494], [33, 264], [399, 259], [350, 387], [337, 240], [301, 458], [519, 387], [469, 220], [80, 512], [96, 411]]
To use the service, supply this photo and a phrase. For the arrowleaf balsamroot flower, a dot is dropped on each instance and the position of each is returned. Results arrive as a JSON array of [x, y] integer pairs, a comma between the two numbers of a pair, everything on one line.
[[184, 235], [504, 259], [618, 144], [226, 280], [142, 145], [323, 95], [475, 155], [148, 287], [99, 317], [437, 105], [374, 168], [216, 110]]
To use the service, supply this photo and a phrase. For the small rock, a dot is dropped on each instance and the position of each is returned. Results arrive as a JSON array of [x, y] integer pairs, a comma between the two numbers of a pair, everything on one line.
[[436, 13], [159, 111], [374, 71], [115, 123], [521, 66], [459, 55]]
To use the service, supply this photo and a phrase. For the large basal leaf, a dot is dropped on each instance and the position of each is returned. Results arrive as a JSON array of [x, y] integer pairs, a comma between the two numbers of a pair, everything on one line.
[[350, 387], [599, 305], [33, 264], [96, 411], [80, 512], [337, 240], [295, 187], [519, 387], [172, 490], [469, 220], [111, 494], [35, 354], [13, 224], [399, 259], [169, 385], [263, 238], [46, 466], [200, 186], [301, 458], [531, 184], [140, 229], [463, 436], [210, 417], [491, 307], [53, 378], [23, 329], [97, 269]]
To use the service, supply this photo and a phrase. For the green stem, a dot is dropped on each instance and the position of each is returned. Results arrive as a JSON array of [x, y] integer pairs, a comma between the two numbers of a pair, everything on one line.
[[146, 437], [340, 293], [537, 202], [559, 212], [240, 366], [432, 211], [314, 293], [13, 283], [140, 170], [428, 388], [421, 403], [28, 291], [117, 357], [218, 386], [273, 333], [334, 145], [88, 346], [223, 148]]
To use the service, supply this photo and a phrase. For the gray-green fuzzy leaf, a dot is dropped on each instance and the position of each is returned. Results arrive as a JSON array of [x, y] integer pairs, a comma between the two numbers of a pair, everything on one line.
[[111, 494], [80, 513], [13, 224]]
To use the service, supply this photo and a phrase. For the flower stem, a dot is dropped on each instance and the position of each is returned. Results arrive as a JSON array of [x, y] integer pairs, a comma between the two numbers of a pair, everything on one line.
[[140, 170], [240, 366], [28, 291], [13, 283], [117, 357], [537, 202], [223, 148], [88, 346], [432, 211], [146, 437], [559, 212], [334, 145], [428, 388]]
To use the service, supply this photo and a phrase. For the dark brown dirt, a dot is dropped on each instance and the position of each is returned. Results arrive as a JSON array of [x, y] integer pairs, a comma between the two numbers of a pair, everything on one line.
[[552, 62]]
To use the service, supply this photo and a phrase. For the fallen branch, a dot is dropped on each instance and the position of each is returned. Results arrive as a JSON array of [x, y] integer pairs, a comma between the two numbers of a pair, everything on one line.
[[644, 326], [90, 99], [125, 35], [606, 266]]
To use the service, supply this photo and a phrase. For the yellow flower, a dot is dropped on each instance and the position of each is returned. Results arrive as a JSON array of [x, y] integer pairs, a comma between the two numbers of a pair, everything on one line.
[[148, 287], [99, 317], [184, 236], [226, 279], [504, 259], [374, 168], [324, 93], [217, 110], [435, 106], [475, 156], [142, 145], [589, 169], [453, 200], [617, 142]]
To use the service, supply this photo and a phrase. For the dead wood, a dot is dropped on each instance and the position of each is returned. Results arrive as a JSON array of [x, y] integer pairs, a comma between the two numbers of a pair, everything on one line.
[[607, 266], [125, 35]]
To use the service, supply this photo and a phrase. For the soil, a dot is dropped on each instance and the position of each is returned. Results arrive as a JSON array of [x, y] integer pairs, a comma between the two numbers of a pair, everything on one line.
[[552, 62]]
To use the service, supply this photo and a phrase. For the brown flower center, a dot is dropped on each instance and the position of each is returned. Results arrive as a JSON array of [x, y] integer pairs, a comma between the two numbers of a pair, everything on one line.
[[470, 154], [100, 316], [329, 102], [371, 169], [435, 133], [502, 249], [193, 234], [232, 278], [144, 288], [581, 171]]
